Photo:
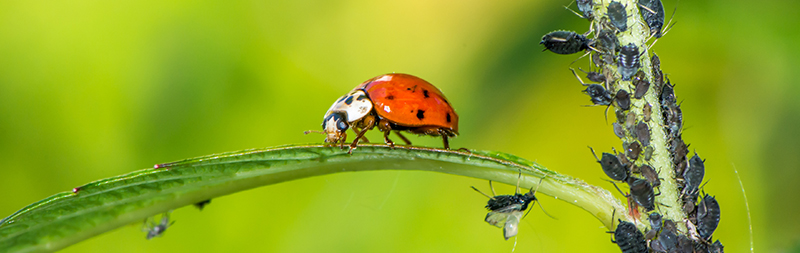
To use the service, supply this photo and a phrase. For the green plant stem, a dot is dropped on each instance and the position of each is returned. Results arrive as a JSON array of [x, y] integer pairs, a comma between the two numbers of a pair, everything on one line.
[[668, 202], [100, 206]]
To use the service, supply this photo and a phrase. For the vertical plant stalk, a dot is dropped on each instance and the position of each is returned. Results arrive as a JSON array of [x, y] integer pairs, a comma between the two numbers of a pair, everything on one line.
[[668, 202]]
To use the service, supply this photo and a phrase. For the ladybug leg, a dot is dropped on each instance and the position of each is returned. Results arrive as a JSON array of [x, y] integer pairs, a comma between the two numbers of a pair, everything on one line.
[[444, 139], [342, 141], [386, 128], [355, 142], [404, 138], [363, 138]]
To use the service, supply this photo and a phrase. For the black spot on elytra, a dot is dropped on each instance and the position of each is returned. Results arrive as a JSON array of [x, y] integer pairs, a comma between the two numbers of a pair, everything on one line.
[[390, 97], [425, 93], [448, 117], [420, 114], [349, 100]]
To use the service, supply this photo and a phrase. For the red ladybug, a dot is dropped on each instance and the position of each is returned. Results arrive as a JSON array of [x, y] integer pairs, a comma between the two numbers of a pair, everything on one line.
[[398, 102]]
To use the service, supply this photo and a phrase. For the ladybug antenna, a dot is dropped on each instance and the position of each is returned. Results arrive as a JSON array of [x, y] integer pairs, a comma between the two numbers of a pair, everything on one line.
[[313, 131]]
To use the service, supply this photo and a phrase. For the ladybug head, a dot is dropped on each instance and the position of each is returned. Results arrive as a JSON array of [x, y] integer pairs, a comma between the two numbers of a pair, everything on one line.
[[334, 127]]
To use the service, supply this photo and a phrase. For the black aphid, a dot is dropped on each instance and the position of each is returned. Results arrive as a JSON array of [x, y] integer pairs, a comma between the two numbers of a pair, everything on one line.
[[618, 15], [658, 76], [598, 94], [642, 132], [684, 244], [628, 61], [653, 14], [623, 99], [708, 214], [595, 76], [668, 239], [565, 42], [679, 151], [506, 211], [629, 238], [612, 166], [585, 6], [648, 153], [618, 130], [716, 247], [154, 228], [200, 205], [655, 225], [646, 112], [650, 175], [608, 41], [641, 84], [667, 96], [642, 193], [693, 175], [633, 150]]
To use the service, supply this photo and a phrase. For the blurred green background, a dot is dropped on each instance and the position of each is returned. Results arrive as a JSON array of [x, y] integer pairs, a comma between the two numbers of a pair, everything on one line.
[[93, 89]]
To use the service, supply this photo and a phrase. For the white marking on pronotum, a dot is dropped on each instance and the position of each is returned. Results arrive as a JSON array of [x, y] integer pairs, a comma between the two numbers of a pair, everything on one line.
[[747, 206]]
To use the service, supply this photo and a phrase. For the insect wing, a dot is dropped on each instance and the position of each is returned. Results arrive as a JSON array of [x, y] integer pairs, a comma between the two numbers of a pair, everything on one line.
[[512, 224], [500, 216]]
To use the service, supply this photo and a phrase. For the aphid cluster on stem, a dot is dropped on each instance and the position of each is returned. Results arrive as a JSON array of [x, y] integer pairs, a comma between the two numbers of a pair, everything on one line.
[[628, 77]]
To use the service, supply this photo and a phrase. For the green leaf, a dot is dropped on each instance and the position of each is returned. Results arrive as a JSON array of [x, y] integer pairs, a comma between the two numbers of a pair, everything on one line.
[[69, 217]]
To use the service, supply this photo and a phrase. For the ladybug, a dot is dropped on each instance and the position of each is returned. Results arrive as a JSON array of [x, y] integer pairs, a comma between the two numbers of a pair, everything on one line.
[[392, 102]]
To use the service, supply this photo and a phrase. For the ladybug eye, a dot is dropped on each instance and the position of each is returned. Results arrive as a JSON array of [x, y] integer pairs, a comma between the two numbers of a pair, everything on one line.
[[341, 125]]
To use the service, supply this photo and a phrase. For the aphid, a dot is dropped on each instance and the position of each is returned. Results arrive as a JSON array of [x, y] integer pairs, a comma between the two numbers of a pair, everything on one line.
[[595, 76], [650, 175], [655, 225], [648, 153], [642, 132], [690, 203], [667, 96], [641, 84], [658, 76], [618, 130], [585, 6], [653, 14], [612, 166], [647, 111], [668, 239], [629, 120], [684, 244], [608, 41], [628, 61], [642, 193], [76, 190], [633, 150], [621, 116], [200, 205], [623, 99], [506, 211], [618, 15], [565, 42], [708, 214], [716, 247], [154, 229], [675, 119], [598, 94], [392, 102], [693, 175], [629, 238]]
